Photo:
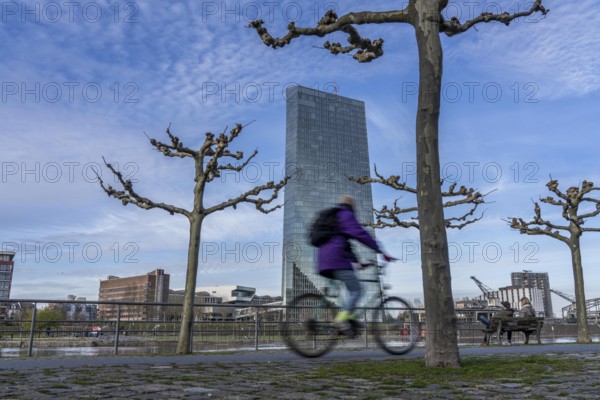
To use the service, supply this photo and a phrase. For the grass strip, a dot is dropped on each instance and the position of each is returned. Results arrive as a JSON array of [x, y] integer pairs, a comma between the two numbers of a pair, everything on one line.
[[505, 369]]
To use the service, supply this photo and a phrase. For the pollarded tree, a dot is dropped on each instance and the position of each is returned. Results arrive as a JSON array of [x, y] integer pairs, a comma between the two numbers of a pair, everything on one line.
[[394, 216], [570, 201], [208, 162], [427, 19]]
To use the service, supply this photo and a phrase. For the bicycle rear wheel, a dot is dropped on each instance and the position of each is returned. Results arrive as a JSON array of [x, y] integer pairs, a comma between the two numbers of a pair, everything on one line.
[[308, 327], [395, 326]]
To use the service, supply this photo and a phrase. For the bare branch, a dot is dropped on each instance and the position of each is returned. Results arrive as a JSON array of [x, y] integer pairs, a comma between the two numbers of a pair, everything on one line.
[[590, 229], [531, 228], [454, 27], [259, 203], [129, 196], [569, 201], [464, 219], [450, 221], [175, 149], [217, 148], [554, 202], [393, 181], [366, 49], [592, 213], [389, 216], [238, 156]]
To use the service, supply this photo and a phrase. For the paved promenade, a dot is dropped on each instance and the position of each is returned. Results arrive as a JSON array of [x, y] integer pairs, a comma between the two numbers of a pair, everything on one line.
[[274, 375]]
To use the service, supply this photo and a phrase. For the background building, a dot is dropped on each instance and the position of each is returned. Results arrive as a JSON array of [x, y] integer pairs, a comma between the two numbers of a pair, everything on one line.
[[6, 273], [326, 140], [201, 313], [79, 311], [150, 288], [514, 294], [232, 294], [222, 303], [538, 280], [76, 311]]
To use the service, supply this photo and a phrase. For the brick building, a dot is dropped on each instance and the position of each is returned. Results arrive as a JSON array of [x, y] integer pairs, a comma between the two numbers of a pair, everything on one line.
[[150, 288]]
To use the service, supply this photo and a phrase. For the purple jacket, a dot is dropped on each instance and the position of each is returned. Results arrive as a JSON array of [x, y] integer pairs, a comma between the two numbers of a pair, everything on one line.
[[335, 254]]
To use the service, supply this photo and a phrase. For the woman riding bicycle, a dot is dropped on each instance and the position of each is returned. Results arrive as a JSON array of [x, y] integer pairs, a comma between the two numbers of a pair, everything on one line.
[[335, 260]]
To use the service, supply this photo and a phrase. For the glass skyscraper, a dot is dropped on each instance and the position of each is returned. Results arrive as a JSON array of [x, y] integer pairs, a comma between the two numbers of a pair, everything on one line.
[[326, 141]]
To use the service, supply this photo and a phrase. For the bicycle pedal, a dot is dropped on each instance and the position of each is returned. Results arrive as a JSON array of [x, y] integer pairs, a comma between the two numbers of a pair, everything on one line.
[[349, 333], [356, 325]]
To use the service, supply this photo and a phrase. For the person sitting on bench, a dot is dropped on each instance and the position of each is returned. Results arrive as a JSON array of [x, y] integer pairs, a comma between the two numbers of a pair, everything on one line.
[[526, 308], [508, 311]]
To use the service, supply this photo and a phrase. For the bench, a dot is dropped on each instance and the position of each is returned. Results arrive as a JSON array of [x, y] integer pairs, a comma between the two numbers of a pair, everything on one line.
[[527, 325]]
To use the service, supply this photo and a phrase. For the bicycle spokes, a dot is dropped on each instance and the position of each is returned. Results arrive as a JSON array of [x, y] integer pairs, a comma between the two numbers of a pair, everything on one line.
[[395, 326], [308, 328]]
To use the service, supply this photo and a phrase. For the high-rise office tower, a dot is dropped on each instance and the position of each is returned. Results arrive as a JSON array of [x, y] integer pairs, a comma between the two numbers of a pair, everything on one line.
[[326, 141], [538, 280]]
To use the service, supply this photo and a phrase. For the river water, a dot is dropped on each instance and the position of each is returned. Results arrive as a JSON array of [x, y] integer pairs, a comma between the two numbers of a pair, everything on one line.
[[170, 349]]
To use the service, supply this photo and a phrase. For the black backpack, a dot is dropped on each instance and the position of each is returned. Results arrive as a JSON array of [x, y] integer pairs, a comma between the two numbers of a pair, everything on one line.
[[324, 227]]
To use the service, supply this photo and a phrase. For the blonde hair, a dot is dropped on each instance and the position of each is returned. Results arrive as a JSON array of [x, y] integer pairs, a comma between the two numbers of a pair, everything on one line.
[[346, 199], [525, 300]]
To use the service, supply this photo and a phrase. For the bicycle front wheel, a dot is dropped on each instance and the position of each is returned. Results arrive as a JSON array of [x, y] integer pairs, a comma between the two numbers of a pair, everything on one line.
[[308, 327], [395, 326]]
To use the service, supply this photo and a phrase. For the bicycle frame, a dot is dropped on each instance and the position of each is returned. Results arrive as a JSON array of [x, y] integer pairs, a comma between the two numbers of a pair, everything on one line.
[[310, 331], [378, 296]]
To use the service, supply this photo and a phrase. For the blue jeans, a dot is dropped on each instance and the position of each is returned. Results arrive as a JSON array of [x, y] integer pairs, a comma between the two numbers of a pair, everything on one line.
[[484, 320], [348, 277]]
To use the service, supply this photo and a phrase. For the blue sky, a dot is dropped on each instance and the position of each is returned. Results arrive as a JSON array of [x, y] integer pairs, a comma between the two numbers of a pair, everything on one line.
[[86, 80]]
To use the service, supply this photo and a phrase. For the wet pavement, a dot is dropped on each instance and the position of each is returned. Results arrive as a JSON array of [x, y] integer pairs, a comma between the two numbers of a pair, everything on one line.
[[276, 375]]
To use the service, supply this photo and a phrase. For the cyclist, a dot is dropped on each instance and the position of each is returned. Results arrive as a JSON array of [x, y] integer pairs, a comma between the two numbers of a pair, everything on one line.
[[336, 259]]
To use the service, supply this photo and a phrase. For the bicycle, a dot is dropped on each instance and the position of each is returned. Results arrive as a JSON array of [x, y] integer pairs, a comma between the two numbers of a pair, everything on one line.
[[309, 331]]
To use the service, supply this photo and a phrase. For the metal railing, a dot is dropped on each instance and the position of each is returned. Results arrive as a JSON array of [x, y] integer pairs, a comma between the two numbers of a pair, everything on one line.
[[245, 326]]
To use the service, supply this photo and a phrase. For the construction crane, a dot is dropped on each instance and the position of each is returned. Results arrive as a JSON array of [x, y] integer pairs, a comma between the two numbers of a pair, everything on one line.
[[564, 296], [568, 310], [488, 293]]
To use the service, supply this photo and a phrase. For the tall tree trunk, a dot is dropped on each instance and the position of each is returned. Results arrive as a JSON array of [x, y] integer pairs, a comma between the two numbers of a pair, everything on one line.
[[184, 345], [442, 342], [583, 335]]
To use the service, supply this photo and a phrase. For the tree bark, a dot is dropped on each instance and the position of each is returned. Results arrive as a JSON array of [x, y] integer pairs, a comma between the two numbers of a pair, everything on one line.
[[184, 345], [583, 335], [442, 342]]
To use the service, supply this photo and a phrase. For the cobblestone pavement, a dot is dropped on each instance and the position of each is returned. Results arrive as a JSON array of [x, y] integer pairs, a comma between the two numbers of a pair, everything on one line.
[[271, 375]]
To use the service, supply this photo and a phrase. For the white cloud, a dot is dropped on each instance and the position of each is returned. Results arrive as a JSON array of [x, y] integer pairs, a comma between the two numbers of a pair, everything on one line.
[[558, 52], [202, 69]]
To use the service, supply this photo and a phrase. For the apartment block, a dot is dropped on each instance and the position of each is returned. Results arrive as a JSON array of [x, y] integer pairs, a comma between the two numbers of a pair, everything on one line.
[[150, 288], [6, 273]]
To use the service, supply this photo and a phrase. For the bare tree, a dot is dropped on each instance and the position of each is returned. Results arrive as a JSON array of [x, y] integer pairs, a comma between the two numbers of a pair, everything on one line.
[[570, 201], [427, 19], [208, 162], [391, 217]]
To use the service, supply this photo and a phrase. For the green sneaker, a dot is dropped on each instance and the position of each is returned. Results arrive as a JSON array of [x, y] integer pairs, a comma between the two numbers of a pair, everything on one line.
[[343, 316]]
